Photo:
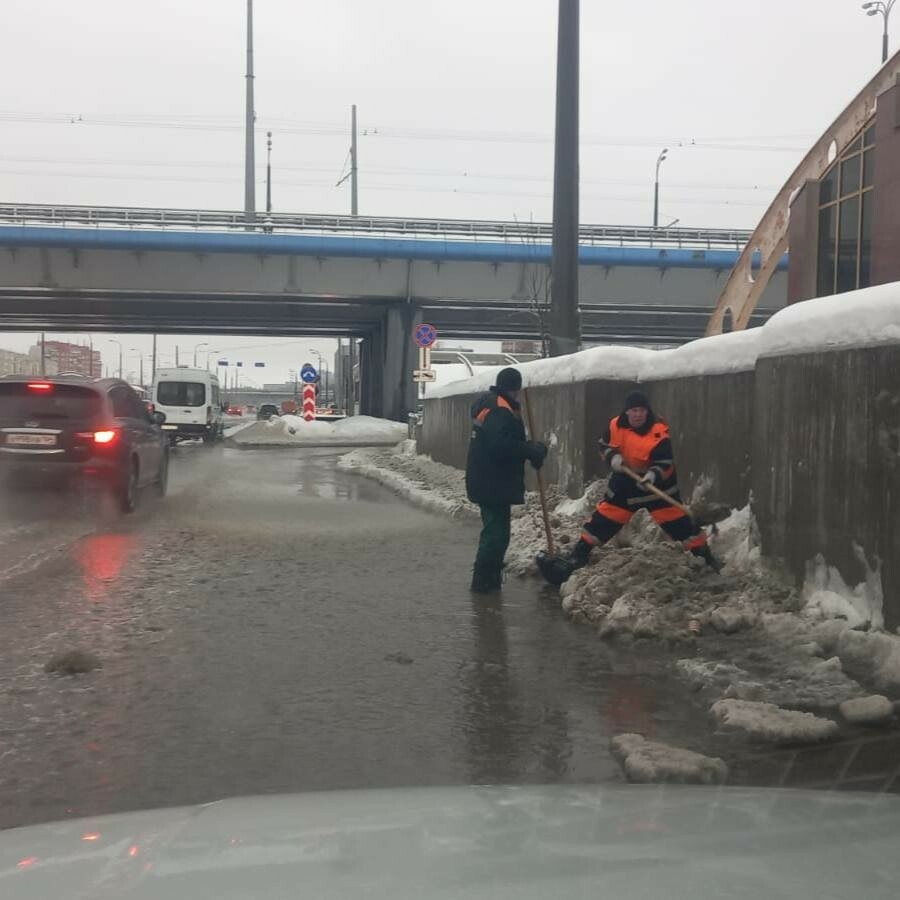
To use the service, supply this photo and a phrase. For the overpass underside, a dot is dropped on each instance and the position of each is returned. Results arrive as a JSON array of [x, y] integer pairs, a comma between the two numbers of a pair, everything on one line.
[[378, 300]]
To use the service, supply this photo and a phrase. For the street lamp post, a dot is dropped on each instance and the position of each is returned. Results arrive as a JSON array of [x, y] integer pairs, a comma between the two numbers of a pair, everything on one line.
[[208, 353], [114, 341], [141, 358], [659, 161], [196, 348], [881, 8]]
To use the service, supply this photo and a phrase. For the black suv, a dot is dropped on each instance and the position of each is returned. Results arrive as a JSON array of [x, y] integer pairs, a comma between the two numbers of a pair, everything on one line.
[[69, 430], [266, 411]]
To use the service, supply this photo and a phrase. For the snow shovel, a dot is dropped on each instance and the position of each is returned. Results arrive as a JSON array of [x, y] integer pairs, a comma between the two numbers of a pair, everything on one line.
[[540, 479], [711, 518], [653, 489]]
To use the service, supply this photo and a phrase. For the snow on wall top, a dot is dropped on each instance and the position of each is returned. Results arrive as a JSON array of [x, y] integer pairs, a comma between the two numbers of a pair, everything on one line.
[[856, 319]]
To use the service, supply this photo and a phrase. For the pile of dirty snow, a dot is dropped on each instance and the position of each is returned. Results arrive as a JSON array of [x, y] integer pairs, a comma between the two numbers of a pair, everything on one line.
[[646, 761], [767, 722], [643, 585], [290, 431], [418, 479]]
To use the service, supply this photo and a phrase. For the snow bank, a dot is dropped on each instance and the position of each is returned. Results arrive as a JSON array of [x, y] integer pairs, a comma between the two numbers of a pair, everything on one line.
[[827, 596], [622, 363], [856, 319], [875, 654], [771, 723], [868, 317], [649, 761], [418, 479], [788, 676], [294, 430]]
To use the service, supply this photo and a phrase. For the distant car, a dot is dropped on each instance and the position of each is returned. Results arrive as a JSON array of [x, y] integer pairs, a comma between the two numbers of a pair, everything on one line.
[[266, 411], [234, 411], [60, 431]]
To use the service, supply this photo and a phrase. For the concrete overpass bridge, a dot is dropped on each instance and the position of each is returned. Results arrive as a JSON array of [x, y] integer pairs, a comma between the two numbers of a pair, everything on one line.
[[181, 271]]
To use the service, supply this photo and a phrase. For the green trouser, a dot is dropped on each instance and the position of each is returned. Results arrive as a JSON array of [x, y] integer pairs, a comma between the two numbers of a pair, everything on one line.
[[494, 539]]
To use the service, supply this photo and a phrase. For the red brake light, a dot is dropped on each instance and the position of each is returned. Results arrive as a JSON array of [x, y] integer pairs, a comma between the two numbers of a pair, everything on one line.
[[105, 437], [40, 386]]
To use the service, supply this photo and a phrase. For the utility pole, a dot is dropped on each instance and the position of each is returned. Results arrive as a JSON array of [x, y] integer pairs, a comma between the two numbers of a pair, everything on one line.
[[250, 148], [43, 357], [354, 166], [153, 372], [564, 326], [269, 172], [176, 356]]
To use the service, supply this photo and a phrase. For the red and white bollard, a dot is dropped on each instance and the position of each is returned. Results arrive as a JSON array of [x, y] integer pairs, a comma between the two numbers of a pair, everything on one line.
[[309, 402]]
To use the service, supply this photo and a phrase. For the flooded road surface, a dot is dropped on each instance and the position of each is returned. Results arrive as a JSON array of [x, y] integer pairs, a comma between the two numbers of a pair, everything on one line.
[[277, 625]]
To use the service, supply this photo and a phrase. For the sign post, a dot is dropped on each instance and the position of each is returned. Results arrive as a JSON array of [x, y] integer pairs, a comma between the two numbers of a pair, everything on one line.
[[308, 376], [425, 336]]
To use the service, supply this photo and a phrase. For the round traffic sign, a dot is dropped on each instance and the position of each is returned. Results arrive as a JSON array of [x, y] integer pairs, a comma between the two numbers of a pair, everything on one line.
[[425, 335], [308, 374]]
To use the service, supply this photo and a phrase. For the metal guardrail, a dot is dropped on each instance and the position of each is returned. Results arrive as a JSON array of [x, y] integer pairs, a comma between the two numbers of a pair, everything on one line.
[[23, 214]]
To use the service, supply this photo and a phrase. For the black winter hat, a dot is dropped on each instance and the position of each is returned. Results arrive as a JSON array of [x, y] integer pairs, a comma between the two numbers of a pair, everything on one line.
[[637, 398], [509, 380]]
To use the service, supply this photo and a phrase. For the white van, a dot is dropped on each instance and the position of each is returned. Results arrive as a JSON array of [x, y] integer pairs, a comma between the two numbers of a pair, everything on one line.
[[192, 402]]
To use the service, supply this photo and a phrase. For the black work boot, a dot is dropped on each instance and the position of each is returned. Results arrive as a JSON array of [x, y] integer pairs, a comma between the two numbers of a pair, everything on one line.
[[485, 581], [706, 555], [558, 569]]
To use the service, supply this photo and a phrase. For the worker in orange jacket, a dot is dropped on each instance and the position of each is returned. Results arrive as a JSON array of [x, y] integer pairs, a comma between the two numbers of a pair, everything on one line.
[[638, 439]]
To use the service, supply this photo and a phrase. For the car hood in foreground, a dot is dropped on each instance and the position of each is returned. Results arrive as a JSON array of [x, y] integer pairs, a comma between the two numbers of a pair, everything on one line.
[[621, 843]]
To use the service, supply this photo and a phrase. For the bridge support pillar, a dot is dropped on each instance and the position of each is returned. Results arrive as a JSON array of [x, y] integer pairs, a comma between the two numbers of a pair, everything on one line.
[[400, 357], [370, 374], [387, 357]]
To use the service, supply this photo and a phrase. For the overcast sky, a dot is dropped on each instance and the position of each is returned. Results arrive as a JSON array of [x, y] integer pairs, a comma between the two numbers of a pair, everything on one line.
[[125, 102]]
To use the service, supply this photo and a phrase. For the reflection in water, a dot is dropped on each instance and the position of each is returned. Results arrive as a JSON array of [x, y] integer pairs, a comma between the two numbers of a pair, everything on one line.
[[102, 558], [491, 716], [629, 707], [514, 731]]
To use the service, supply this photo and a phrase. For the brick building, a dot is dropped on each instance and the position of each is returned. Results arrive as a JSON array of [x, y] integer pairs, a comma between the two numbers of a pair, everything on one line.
[[62, 357]]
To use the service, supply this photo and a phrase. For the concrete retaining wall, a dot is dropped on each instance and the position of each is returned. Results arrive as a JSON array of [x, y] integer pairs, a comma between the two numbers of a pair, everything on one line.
[[827, 462], [813, 438]]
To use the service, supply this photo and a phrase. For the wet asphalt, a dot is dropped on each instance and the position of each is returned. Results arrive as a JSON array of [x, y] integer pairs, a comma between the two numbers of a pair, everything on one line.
[[277, 625]]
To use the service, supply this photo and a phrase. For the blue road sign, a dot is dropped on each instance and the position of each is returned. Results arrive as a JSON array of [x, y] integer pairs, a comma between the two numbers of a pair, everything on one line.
[[425, 335], [239, 364], [259, 365], [222, 362], [308, 374]]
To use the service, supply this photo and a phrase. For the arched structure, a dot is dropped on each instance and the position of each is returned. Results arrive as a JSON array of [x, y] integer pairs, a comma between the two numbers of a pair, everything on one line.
[[769, 241]]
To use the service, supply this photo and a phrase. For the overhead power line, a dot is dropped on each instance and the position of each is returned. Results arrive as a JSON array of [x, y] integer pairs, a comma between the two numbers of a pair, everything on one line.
[[326, 129]]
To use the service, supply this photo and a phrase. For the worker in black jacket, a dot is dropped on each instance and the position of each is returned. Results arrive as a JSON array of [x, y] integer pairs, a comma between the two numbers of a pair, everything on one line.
[[495, 473]]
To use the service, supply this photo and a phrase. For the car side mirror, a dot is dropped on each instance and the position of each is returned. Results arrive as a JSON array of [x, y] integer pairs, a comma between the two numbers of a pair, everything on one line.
[[157, 417], [224, 407]]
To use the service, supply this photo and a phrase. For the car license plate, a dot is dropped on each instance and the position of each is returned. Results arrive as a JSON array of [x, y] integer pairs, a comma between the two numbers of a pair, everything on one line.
[[31, 440], [170, 427]]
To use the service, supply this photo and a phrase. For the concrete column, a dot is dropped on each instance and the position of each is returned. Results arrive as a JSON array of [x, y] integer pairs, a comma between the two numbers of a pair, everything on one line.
[[400, 358], [371, 374]]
